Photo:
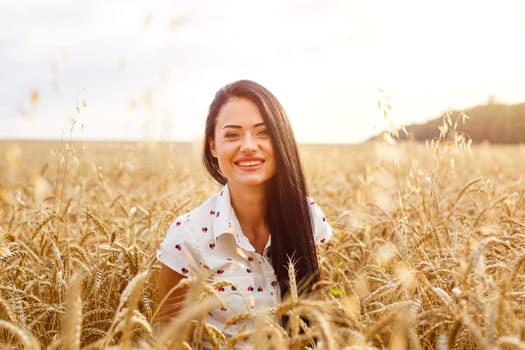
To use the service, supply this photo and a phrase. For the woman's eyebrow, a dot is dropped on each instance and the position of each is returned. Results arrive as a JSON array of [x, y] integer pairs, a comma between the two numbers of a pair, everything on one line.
[[232, 126], [240, 127]]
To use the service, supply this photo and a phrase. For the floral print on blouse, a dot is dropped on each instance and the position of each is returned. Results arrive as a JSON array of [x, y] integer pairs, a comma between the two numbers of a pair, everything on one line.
[[210, 237]]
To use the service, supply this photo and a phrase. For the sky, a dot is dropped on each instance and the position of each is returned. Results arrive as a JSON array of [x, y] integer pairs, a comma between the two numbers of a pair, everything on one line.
[[148, 70]]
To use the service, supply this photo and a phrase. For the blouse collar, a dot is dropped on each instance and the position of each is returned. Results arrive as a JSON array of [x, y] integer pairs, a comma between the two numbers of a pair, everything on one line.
[[225, 221]]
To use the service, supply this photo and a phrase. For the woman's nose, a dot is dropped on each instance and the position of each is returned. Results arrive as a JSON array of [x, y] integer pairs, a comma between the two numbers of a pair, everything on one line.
[[248, 143]]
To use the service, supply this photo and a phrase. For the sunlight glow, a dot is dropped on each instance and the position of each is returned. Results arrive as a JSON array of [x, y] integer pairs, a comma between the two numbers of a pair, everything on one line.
[[149, 70]]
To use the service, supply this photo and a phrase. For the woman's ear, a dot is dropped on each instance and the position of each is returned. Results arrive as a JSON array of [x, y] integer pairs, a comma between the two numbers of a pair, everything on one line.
[[211, 144]]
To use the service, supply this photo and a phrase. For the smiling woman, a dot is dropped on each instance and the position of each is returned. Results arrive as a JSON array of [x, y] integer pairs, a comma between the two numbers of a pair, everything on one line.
[[245, 235], [242, 146]]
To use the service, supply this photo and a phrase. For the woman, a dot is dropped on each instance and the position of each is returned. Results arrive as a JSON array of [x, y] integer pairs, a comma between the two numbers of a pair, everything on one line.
[[262, 217]]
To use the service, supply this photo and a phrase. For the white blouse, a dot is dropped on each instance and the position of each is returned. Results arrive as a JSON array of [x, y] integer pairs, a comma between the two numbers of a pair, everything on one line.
[[211, 237]]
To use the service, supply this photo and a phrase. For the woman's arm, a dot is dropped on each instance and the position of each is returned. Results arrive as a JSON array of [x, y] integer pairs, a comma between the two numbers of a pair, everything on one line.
[[173, 302]]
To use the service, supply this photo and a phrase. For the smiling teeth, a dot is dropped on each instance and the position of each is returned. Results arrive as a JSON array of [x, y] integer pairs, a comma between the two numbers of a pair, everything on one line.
[[250, 163]]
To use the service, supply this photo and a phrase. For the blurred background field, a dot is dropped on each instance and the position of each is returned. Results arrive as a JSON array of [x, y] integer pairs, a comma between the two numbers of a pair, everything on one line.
[[428, 249]]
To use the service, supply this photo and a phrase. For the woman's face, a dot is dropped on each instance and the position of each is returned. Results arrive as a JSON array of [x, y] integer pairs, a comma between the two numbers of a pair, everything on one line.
[[242, 144]]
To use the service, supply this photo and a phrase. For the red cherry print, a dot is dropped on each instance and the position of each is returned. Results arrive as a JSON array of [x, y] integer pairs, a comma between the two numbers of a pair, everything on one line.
[[223, 308], [212, 212], [271, 293], [220, 289], [323, 240], [212, 245], [178, 223], [204, 229], [218, 213], [220, 271], [250, 258], [178, 247], [249, 270], [260, 289], [250, 289], [184, 270]]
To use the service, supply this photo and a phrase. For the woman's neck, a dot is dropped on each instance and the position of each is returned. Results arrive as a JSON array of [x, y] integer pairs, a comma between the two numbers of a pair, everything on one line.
[[249, 204]]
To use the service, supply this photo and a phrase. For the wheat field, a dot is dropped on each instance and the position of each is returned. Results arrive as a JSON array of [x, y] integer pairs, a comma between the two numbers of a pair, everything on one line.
[[428, 250]]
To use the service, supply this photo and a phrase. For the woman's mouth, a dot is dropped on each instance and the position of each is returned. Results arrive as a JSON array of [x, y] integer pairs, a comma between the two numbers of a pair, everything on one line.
[[250, 163]]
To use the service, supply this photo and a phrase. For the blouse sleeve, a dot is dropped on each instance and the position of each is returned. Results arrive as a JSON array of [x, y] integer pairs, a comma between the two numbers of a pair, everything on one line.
[[321, 227], [178, 251]]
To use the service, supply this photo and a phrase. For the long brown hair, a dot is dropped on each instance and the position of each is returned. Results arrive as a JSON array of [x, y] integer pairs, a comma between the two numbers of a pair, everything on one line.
[[287, 212]]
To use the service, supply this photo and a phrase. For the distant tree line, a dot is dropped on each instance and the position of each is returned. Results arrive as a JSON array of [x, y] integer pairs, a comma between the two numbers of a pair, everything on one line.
[[493, 122]]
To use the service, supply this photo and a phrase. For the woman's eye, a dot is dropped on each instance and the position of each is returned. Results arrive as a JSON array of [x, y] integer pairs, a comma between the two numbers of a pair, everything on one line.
[[231, 135], [263, 132]]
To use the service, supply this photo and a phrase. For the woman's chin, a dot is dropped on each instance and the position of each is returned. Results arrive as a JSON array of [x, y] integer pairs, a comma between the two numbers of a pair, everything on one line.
[[249, 181]]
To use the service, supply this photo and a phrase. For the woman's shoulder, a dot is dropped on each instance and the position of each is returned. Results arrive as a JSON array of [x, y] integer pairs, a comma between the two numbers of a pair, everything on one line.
[[315, 209], [200, 220], [197, 219], [321, 227], [191, 235]]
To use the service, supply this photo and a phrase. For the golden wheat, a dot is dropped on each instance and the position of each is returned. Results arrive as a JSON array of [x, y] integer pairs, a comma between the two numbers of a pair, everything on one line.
[[428, 251]]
